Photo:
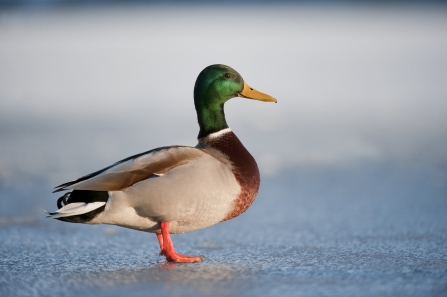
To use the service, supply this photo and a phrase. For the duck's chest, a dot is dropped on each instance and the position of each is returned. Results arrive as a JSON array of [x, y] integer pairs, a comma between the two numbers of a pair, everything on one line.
[[244, 168]]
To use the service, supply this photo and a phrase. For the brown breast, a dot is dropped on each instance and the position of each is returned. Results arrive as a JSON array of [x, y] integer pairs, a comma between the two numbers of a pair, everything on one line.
[[244, 168]]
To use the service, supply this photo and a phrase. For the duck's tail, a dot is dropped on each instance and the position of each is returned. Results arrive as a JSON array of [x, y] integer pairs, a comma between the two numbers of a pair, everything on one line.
[[79, 206], [75, 209]]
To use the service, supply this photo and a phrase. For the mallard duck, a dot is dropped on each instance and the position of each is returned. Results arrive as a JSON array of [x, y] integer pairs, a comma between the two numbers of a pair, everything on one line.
[[175, 189]]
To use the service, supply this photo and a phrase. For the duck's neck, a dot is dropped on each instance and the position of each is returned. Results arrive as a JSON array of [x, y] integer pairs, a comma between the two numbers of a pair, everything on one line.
[[211, 119]]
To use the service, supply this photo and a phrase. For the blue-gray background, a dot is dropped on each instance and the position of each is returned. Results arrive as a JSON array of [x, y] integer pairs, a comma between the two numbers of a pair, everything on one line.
[[353, 158]]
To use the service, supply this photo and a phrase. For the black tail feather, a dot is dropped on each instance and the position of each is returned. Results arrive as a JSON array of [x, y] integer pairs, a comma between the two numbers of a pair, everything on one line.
[[82, 196]]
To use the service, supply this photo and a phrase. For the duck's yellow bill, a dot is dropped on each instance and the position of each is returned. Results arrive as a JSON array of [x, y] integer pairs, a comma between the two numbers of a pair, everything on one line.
[[250, 93]]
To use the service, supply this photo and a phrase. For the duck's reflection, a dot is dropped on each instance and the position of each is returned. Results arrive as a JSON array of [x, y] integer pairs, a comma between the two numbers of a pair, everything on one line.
[[203, 279]]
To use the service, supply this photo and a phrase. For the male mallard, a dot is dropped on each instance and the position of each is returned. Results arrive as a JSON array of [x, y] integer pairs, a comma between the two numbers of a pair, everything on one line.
[[175, 189]]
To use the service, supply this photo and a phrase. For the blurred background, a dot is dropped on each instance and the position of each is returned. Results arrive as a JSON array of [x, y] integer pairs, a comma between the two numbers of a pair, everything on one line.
[[359, 88], [356, 145]]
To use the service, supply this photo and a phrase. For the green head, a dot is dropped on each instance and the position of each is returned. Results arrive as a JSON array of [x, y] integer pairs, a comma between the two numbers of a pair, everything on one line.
[[215, 85]]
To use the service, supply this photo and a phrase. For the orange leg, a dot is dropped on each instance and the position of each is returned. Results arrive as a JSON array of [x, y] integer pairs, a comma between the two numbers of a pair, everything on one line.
[[160, 241], [167, 248]]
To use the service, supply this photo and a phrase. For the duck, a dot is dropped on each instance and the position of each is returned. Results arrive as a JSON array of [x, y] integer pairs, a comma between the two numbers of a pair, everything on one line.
[[175, 189]]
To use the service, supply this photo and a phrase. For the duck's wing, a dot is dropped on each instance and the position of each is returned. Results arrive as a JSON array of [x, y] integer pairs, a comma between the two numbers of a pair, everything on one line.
[[133, 169]]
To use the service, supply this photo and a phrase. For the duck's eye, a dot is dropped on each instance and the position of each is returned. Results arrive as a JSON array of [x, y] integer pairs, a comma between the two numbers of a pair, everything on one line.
[[227, 75]]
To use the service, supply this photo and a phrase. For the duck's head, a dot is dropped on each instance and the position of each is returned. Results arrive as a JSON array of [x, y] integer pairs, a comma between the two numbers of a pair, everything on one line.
[[215, 85]]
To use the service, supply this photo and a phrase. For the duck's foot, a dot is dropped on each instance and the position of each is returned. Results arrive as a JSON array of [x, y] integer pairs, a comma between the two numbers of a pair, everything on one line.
[[179, 258], [167, 248]]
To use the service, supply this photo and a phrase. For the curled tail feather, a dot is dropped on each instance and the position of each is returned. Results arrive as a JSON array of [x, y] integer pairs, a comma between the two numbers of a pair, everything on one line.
[[63, 199]]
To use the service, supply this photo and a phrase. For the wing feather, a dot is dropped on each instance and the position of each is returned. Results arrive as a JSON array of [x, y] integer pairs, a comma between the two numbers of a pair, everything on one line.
[[133, 169]]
